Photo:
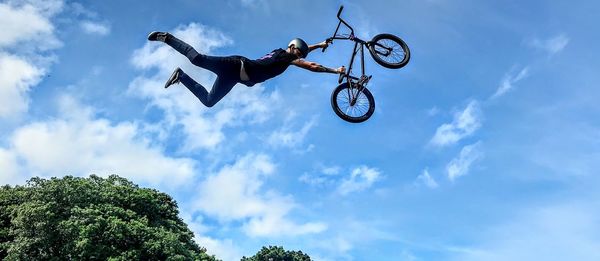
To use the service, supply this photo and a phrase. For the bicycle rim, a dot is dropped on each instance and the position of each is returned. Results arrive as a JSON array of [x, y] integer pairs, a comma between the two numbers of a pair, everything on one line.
[[389, 51], [360, 110]]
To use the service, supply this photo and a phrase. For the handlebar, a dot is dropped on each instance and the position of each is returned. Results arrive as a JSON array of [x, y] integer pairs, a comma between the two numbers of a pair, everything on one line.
[[342, 22], [330, 39]]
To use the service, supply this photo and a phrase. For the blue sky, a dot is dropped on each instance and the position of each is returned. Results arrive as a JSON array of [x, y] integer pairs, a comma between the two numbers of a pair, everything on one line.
[[486, 146]]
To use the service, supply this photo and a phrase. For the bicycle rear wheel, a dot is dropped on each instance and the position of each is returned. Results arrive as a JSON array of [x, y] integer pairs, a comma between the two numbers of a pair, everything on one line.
[[361, 110], [389, 51]]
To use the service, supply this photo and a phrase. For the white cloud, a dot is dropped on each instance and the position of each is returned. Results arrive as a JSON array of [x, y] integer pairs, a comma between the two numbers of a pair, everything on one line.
[[508, 82], [236, 193], [225, 249], [552, 45], [331, 170], [26, 31], [9, 168], [82, 145], [44, 7], [16, 78], [322, 175], [313, 180], [26, 23], [90, 27], [289, 138], [427, 179], [361, 178], [78, 9], [464, 124], [203, 127], [460, 165]]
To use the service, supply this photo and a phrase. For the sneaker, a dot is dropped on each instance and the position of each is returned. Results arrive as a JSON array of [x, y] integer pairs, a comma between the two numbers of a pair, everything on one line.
[[174, 77], [158, 36]]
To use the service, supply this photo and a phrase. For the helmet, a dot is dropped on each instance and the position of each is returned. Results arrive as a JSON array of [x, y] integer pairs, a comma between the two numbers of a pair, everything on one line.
[[301, 45]]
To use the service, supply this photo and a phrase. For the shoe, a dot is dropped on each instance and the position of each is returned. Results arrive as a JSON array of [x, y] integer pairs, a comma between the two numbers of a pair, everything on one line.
[[158, 36], [174, 77]]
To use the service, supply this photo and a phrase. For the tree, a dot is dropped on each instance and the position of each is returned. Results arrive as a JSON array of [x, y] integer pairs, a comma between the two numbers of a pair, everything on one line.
[[92, 219], [277, 253]]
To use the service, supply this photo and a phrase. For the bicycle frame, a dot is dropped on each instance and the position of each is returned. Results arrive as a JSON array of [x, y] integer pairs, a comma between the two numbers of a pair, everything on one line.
[[359, 45]]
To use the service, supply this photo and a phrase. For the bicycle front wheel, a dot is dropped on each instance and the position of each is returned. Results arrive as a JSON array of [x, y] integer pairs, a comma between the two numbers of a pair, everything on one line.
[[352, 110], [389, 51]]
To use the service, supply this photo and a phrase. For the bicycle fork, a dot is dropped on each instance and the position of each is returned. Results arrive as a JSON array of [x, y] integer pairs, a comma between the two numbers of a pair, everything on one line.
[[359, 45], [362, 82]]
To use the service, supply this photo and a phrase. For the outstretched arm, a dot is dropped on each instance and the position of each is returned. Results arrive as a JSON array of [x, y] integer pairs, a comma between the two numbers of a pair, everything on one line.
[[315, 67], [317, 46]]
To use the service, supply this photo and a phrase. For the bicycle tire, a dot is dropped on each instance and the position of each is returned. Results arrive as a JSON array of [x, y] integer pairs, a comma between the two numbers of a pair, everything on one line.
[[389, 41], [340, 98]]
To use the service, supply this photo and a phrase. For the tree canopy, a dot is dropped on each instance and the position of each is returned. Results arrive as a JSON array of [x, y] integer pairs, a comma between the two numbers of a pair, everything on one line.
[[92, 218], [277, 253]]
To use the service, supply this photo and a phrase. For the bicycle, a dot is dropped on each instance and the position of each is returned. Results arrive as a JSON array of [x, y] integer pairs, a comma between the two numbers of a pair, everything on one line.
[[351, 100]]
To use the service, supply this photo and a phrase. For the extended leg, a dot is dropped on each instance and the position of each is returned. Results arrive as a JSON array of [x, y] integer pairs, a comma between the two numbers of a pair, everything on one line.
[[216, 64], [228, 65], [221, 87], [181, 46]]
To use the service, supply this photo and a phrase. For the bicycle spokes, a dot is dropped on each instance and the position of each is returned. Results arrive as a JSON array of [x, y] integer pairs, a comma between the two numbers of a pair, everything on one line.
[[389, 51], [353, 102]]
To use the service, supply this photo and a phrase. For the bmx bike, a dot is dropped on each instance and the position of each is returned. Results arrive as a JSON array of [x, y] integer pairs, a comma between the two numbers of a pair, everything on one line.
[[351, 100]]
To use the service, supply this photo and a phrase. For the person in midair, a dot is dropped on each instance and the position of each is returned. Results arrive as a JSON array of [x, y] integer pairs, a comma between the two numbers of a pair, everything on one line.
[[234, 69]]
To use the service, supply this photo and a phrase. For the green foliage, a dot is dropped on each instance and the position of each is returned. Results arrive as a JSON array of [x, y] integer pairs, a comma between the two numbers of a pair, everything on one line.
[[92, 219], [277, 253]]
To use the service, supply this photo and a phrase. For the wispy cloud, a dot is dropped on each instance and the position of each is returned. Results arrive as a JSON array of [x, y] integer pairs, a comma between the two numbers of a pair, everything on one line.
[[263, 4], [566, 231], [356, 180], [96, 28], [287, 137], [464, 124], [321, 176], [343, 241], [433, 111], [552, 45], [78, 9], [508, 82], [361, 178], [426, 179], [461, 165], [331, 170]]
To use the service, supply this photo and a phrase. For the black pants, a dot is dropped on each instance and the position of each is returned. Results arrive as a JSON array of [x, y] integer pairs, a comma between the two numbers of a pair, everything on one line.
[[226, 68]]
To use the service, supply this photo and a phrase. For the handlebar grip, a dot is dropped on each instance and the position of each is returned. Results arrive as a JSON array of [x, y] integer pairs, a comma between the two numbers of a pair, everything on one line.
[[340, 11], [329, 41]]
